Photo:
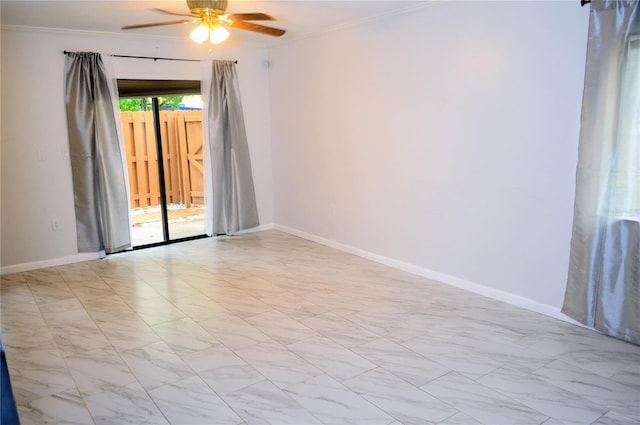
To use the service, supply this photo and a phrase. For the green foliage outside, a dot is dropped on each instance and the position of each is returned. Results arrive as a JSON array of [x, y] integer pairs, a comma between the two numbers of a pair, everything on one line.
[[144, 103]]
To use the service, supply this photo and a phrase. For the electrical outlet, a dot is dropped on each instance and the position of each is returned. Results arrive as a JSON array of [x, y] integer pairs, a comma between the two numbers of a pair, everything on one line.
[[55, 225]]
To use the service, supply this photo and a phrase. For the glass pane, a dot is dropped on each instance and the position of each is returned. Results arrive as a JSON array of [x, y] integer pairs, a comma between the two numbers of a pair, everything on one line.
[[181, 131], [142, 166]]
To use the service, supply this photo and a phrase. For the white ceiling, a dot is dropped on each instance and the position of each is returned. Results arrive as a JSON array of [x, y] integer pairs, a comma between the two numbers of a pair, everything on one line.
[[299, 18]]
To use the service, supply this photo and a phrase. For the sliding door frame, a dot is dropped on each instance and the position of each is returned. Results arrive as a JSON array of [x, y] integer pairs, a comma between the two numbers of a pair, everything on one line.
[[153, 89]]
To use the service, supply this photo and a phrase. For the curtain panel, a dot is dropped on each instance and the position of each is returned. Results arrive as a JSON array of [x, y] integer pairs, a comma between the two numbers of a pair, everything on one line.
[[603, 288], [97, 157], [231, 200]]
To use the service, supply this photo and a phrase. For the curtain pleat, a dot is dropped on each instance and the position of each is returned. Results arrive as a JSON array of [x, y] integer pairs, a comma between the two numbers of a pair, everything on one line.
[[231, 205], [603, 287], [99, 177]]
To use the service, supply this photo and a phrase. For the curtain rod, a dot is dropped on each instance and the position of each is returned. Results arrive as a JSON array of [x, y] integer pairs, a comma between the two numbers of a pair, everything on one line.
[[584, 2], [151, 57]]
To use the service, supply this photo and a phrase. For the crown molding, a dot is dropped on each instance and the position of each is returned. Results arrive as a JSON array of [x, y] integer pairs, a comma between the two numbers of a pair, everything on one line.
[[112, 35], [86, 33]]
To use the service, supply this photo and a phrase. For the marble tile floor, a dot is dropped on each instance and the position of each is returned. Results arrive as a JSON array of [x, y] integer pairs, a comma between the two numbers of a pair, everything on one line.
[[267, 328]]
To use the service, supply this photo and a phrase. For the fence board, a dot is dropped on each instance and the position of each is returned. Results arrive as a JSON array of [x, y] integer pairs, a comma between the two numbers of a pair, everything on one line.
[[183, 163], [169, 154], [193, 124], [181, 134], [127, 134], [152, 161]]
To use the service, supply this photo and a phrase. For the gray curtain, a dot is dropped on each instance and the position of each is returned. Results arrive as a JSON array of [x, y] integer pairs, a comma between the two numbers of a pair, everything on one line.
[[232, 201], [604, 271], [99, 177]]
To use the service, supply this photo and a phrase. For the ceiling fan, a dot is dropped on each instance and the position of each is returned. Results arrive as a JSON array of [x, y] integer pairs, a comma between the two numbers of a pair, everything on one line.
[[213, 20]]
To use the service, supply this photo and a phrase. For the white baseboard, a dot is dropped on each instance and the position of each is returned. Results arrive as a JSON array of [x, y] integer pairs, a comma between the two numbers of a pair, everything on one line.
[[24, 267], [507, 297]]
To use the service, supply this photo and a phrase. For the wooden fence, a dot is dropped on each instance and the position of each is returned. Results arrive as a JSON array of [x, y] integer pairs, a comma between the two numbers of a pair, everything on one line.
[[181, 133]]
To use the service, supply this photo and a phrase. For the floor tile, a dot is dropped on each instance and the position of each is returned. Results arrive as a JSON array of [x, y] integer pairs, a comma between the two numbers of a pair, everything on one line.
[[129, 289], [340, 329], [601, 391], [589, 350], [629, 377], [613, 418], [171, 288], [281, 327], [128, 333], [191, 401], [65, 312], [398, 398], [293, 305], [264, 403], [459, 419], [402, 362], [480, 402], [199, 307], [184, 336], [108, 308], [46, 292], [98, 371], [224, 380], [242, 303], [332, 358], [542, 396], [90, 289], [276, 363], [222, 369], [233, 331], [124, 405], [333, 403], [15, 292], [78, 338], [38, 373], [63, 408], [256, 285], [46, 275], [155, 365], [155, 310], [215, 356]]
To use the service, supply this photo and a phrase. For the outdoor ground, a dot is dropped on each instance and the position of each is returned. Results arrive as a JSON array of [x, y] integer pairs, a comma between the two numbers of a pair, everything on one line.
[[183, 222]]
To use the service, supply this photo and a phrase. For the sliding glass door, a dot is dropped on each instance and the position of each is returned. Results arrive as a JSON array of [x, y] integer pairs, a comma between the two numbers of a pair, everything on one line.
[[163, 143]]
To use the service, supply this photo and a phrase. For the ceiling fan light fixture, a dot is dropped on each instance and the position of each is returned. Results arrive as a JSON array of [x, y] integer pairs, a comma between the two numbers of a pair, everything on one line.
[[218, 34], [200, 33]]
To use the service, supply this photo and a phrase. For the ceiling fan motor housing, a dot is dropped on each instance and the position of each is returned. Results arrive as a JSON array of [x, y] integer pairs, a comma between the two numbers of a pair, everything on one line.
[[217, 6]]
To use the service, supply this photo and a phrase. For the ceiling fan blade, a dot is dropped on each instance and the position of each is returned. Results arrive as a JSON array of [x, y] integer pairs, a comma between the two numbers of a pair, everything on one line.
[[258, 28], [169, 12], [250, 17], [158, 24]]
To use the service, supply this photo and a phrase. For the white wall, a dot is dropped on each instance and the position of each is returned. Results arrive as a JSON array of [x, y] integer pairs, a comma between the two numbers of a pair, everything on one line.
[[444, 138], [35, 174]]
